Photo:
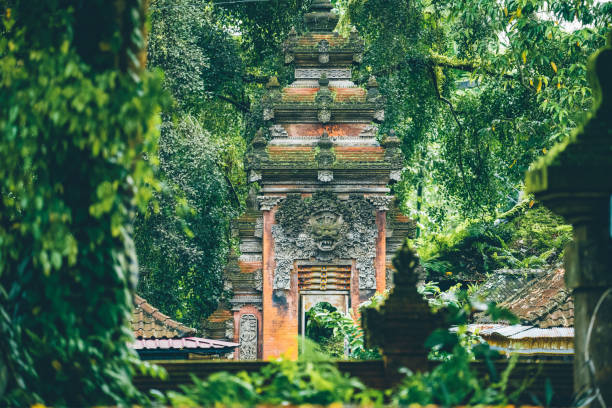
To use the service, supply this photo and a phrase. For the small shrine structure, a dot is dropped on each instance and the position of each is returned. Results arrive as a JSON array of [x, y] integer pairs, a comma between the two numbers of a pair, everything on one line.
[[322, 226]]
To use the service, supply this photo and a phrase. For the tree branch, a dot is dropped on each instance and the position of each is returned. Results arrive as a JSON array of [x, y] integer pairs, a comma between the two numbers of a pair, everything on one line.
[[241, 106], [437, 60]]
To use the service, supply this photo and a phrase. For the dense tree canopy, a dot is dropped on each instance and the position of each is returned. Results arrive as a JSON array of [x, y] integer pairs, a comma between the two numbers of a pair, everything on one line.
[[475, 90]]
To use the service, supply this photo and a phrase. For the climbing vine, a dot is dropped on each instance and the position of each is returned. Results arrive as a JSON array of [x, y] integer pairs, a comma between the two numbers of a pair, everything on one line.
[[78, 122]]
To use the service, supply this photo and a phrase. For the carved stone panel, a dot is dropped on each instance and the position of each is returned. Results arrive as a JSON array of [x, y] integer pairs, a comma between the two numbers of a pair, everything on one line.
[[325, 228], [248, 337], [315, 73]]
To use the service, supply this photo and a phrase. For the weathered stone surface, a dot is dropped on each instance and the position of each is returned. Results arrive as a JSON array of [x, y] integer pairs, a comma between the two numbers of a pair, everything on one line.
[[248, 337], [403, 322]]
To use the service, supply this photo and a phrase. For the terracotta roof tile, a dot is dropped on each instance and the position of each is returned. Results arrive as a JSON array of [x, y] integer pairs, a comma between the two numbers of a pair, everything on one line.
[[148, 322], [539, 299]]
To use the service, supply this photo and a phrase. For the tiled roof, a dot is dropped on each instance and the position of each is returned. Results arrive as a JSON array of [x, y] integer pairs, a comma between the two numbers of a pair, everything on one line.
[[190, 343], [505, 283], [150, 323], [544, 302], [537, 298]]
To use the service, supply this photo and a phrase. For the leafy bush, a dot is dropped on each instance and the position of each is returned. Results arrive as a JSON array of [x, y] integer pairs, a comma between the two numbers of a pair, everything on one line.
[[333, 330], [528, 236], [314, 380]]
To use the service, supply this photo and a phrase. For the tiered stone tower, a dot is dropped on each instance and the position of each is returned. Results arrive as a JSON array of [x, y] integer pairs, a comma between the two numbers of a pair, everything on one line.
[[322, 227]]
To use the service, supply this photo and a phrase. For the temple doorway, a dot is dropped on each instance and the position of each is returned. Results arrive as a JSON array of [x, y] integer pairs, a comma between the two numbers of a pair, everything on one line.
[[325, 287]]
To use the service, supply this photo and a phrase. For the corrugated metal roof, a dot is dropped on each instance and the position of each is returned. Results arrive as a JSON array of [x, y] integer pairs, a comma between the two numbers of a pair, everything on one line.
[[190, 343], [536, 332], [519, 331]]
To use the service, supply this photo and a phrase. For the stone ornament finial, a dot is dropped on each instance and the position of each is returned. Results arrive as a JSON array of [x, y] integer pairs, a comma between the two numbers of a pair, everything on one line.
[[273, 82], [402, 324], [320, 17]]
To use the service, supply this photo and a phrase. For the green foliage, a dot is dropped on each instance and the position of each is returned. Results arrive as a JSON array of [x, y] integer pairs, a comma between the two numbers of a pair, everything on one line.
[[281, 382], [75, 129], [338, 334], [183, 238], [524, 237], [477, 91]]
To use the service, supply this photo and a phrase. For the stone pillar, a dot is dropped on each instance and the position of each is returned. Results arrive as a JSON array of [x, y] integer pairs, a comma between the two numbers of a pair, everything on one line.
[[401, 325], [280, 306], [575, 182], [381, 251]]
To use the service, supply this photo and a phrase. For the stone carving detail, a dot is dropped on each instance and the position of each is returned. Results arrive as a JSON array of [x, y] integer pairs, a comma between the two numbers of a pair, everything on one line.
[[278, 131], [268, 114], [258, 279], [325, 176], [395, 175], [323, 49], [250, 246], [315, 73], [369, 131], [326, 228], [254, 176], [380, 202], [266, 203], [248, 337], [379, 115], [324, 115], [258, 227], [229, 329]]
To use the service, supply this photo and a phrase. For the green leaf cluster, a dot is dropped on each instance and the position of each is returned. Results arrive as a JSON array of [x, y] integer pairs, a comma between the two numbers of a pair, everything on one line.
[[528, 236], [77, 122], [282, 382]]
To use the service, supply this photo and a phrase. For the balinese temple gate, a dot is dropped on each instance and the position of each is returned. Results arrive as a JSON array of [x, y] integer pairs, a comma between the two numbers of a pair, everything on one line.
[[322, 227]]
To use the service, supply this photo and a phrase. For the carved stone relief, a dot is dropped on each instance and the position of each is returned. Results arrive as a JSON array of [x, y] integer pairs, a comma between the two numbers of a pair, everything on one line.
[[229, 330], [258, 227], [258, 279], [278, 131], [254, 176], [325, 228], [325, 176], [266, 203], [248, 337], [369, 131], [315, 73], [380, 202], [395, 175], [324, 115]]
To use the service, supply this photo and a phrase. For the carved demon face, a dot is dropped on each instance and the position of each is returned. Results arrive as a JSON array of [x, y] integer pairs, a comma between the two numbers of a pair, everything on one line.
[[326, 227]]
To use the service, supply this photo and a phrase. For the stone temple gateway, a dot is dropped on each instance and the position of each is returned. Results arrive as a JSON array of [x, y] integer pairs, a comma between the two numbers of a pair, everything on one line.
[[322, 227]]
